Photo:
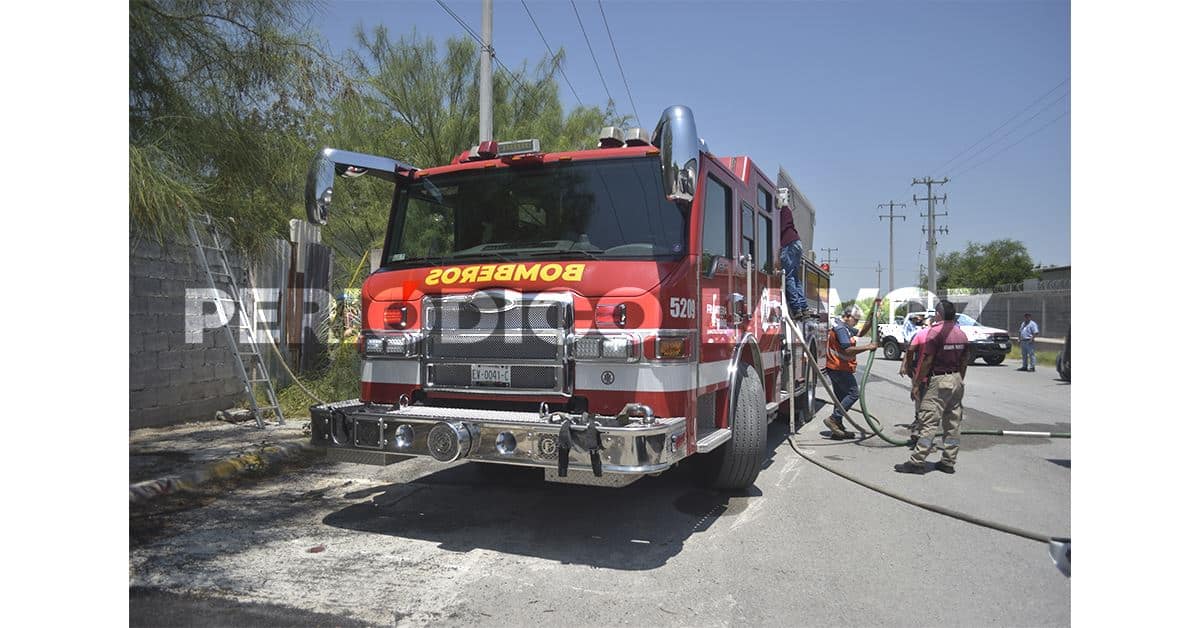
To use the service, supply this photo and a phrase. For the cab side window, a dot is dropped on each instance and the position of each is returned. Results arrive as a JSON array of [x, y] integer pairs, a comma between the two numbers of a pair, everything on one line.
[[748, 230], [764, 200], [718, 218]]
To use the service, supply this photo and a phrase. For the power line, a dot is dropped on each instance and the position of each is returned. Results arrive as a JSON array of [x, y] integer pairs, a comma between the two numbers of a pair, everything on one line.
[[590, 51], [561, 72], [1027, 136], [614, 49], [1004, 124], [1012, 130], [520, 88], [461, 22]]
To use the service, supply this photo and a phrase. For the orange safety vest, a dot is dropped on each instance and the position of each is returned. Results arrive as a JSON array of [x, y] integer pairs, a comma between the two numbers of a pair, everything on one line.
[[836, 359]]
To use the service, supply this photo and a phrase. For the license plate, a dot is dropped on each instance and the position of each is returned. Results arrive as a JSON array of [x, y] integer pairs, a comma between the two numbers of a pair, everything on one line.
[[1004, 345], [491, 374]]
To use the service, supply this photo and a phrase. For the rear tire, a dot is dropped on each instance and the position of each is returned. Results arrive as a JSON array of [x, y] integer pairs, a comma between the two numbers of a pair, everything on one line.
[[735, 465], [891, 349], [994, 360]]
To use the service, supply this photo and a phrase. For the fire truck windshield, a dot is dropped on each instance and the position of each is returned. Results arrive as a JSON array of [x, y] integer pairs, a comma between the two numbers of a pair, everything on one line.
[[595, 209]]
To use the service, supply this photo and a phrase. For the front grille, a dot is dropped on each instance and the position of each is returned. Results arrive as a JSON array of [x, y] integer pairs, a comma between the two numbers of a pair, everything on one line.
[[488, 315], [524, 377], [499, 346], [495, 327]]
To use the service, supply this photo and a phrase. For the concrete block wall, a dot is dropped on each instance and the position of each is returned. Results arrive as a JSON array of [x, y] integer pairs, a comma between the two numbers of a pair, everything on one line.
[[171, 380]]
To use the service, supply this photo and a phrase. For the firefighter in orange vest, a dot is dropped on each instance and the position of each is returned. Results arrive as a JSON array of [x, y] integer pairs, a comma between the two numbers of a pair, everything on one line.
[[840, 365]]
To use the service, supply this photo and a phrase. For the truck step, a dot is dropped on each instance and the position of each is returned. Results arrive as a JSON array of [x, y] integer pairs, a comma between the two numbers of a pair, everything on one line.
[[711, 440]]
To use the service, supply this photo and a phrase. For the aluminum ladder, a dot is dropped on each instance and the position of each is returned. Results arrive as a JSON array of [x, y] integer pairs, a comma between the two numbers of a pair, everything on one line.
[[220, 275]]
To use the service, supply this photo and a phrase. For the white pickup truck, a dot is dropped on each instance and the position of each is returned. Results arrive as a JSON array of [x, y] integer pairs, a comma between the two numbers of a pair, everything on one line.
[[989, 343]]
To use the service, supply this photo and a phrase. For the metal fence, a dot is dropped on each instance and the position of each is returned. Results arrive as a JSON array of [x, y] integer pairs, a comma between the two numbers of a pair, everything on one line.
[[1006, 310], [1032, 285]]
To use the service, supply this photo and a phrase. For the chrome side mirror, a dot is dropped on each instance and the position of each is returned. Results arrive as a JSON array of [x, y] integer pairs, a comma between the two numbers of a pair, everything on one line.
[[331, 162], [679, 146]]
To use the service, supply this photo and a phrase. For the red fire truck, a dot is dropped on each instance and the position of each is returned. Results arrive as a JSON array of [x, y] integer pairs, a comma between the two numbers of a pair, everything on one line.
[[602, 314]]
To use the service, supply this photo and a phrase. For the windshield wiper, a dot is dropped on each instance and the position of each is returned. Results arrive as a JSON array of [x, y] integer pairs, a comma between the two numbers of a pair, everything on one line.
[[567, 252], [432, 261], [480, 254]]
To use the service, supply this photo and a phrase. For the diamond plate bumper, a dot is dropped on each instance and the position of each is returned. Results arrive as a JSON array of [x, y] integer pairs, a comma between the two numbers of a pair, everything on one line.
[[521, 438]]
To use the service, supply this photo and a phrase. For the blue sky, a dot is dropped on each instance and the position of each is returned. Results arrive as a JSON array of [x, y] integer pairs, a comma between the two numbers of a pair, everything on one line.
[[854, 99]]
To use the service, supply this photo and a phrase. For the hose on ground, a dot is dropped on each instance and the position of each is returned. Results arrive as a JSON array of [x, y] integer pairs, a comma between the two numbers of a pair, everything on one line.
[[1056, 544], [1033, 536]]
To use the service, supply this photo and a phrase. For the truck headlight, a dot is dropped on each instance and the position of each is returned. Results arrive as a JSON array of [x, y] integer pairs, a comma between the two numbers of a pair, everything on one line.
[[374, 345], [620, 347], [404, 345], [587, 347]]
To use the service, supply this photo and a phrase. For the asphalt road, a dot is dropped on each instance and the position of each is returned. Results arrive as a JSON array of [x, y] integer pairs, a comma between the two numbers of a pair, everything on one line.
[[419, 542]]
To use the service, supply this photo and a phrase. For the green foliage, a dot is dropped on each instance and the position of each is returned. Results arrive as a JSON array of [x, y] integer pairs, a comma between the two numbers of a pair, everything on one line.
[[864, 305], [985, 265], [220, 93], [230, 99], [419, 103], [338, 380], [1044, 358]]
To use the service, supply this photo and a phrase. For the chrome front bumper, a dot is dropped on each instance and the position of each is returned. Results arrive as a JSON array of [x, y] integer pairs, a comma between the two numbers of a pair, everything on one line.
[[521, 438]]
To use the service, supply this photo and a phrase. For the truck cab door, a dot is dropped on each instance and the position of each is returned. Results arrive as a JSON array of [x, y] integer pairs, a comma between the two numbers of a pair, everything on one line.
[[761, 283], [719, 328]]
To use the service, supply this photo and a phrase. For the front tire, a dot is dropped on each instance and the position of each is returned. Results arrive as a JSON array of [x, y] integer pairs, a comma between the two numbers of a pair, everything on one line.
[[891, 349], [735, 465]]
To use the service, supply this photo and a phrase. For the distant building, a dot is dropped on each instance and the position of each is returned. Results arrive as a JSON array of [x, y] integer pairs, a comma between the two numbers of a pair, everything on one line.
[[1054, 273], [803, 213]]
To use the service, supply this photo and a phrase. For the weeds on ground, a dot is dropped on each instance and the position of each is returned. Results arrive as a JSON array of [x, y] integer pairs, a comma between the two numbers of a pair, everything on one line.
[[337, 381], [1044, 358]]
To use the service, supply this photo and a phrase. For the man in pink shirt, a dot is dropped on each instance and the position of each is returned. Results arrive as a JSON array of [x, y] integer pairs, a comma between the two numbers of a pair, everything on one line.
[[938, 386]]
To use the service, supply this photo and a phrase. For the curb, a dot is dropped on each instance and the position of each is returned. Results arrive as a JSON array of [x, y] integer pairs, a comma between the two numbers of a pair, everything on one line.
[[245, 464]]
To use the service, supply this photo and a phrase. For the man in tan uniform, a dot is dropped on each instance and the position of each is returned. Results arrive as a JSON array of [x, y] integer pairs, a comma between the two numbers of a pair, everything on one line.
[[942, 367]]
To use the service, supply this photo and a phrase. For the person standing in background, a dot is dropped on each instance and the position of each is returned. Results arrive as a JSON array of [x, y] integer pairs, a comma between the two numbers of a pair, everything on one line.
[[1028, 334]]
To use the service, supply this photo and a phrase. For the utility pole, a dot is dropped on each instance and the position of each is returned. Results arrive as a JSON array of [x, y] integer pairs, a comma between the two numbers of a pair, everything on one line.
[[485, 76], [932, 230], [829, 259], [891, 205], [878, 273]]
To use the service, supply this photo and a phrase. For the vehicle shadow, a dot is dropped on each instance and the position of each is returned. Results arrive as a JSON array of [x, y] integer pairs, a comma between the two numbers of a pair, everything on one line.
[[513, 510]]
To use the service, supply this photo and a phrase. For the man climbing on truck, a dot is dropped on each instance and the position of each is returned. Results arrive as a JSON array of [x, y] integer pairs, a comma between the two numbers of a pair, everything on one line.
[[791, 254]]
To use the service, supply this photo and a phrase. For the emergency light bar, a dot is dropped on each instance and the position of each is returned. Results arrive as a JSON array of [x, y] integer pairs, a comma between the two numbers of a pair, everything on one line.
[[518, 147]]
